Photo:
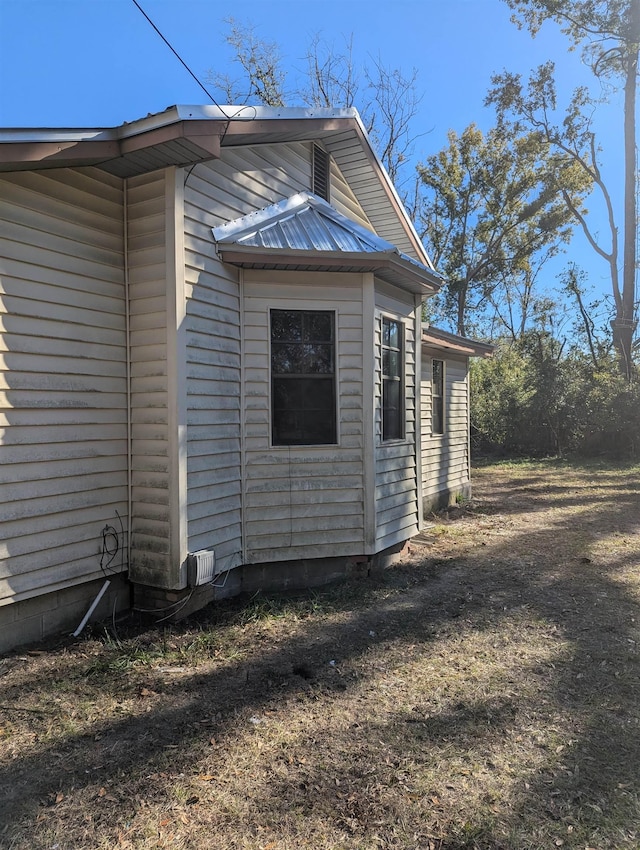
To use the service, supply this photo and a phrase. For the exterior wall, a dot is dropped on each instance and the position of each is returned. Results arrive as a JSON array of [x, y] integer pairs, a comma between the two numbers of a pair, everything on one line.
[[244, 180], [397, 482], [63, 386], [214, 509], [303, 501], [343, 199], [445, 457], [151, 290]]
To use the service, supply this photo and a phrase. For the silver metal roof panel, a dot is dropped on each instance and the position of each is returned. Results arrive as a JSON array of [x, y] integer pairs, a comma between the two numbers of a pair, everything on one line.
[[304, 232]]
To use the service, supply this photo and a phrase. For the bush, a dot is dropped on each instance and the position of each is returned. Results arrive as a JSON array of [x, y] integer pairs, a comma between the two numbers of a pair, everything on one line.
[[532, 399]]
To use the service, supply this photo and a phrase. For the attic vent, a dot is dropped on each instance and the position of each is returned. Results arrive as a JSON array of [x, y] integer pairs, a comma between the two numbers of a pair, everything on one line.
[[321, 172]]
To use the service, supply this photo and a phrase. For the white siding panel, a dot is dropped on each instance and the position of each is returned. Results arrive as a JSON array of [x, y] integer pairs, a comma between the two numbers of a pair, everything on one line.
[[396, 484], [445, 457], [150, 444], [303, 501], [213, 369], [63, 417]]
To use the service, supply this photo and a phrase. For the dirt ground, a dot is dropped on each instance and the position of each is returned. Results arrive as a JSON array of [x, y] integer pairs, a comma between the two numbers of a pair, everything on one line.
[[484, 693]]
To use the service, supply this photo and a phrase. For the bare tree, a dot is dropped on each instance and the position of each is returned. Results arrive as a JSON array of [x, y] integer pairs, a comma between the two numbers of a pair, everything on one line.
[[261, 62], [386, 98], [609, 33]]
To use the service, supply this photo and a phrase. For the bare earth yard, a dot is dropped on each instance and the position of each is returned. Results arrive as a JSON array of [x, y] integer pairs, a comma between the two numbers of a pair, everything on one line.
[[485, 693]]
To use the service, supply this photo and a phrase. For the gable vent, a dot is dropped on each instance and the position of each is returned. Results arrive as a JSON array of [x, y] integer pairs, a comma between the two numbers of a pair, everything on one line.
[[321, 176]]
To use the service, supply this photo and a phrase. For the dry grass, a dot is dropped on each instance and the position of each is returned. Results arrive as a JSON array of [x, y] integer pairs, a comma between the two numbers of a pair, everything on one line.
[[482, 694]]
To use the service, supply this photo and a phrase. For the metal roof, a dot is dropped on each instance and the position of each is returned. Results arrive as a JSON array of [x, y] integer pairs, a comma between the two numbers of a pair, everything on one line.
[[304, 232], [187, 135]]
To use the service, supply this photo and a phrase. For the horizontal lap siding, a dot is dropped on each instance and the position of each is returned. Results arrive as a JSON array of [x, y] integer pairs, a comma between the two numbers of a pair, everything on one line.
[[303, 501], [445, 457], [242, 181], [150, 557], [396, 487], [63, 417]]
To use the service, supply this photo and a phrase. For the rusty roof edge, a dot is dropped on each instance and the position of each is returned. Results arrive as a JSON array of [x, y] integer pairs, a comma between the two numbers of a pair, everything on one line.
[[438, 338]]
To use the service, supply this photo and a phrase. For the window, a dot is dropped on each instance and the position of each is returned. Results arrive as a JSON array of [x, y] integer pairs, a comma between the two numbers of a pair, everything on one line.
[[321, 173], [392, 380], [437, 398], [303, 393]]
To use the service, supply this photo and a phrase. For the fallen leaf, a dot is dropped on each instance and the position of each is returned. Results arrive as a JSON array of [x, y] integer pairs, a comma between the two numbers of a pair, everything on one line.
[[206, 777], [59, 797]]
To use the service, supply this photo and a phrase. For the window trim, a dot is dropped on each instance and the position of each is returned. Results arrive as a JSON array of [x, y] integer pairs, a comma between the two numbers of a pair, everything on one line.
[[386, 379], [315, 308], [441, 396]]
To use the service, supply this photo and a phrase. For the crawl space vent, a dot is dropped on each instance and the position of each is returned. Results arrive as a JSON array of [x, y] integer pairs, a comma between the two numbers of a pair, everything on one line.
[[201, 567]]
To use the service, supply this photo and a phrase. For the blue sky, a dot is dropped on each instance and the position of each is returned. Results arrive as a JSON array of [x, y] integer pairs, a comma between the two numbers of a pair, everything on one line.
[[97, 63]]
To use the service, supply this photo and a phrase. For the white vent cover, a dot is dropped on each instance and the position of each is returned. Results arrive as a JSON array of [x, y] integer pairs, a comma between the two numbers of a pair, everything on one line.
[[201, 567]]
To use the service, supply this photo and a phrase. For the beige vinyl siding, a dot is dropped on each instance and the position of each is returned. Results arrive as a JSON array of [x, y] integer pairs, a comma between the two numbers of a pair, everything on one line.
[[344, 200], [244, 180], [63, 399], [445, 457], [214, 512], [303, 501], [150, 550], [396, 473]]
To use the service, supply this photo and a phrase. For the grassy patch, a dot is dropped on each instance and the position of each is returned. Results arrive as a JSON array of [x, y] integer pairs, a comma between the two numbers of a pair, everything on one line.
[[484, 694]]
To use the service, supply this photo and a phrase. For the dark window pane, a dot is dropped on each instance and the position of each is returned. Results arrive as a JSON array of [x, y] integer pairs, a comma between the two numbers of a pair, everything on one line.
[[286, 358], [394, 335], [318, 327], [391, 361], [391, 410], [302, 377], [437, 415], [288, 395], [438, 375], [318, 394], [392, 380], [286, 325], [317, 359]]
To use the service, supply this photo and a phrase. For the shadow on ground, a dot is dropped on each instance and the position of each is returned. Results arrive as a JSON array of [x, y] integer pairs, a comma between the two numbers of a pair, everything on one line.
[[575, 784]]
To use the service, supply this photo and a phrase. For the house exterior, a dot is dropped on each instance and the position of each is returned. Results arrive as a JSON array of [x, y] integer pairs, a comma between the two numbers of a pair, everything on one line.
[[445, 416], [210, 362]]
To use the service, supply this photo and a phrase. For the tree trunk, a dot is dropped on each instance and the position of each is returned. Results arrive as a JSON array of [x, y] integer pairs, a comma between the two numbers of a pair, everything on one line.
[[625, 323]]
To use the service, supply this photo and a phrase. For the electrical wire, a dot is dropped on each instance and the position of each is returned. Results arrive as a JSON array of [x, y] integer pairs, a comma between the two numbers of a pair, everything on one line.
[[176, 54], [109, 550]]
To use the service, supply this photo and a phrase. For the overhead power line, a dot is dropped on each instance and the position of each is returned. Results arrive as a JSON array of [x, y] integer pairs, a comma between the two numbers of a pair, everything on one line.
[[176, 54]]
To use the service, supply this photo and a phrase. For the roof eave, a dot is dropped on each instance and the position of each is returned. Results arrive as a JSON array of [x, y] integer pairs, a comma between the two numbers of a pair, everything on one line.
[[389, 266], [438, 340], [181, 143]]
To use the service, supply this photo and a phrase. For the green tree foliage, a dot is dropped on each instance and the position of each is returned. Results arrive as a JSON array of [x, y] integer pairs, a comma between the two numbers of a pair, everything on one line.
[[608, 31], [493, 210], [533, 398]]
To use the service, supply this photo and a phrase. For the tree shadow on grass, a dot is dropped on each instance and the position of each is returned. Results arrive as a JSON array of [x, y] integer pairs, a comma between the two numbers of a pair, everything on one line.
[[583, 790]]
